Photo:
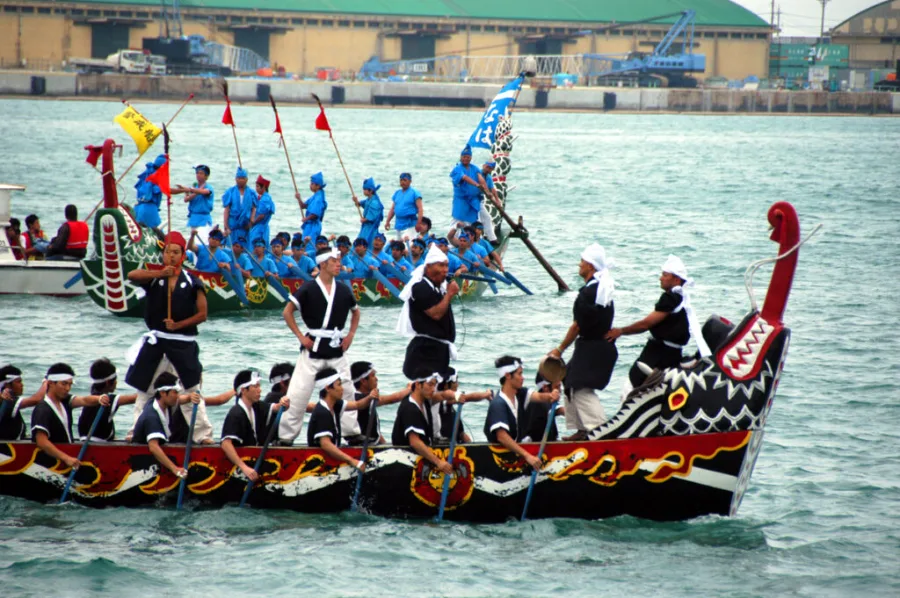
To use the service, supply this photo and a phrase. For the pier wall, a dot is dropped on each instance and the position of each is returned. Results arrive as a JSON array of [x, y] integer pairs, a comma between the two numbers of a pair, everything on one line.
[[462, 95]]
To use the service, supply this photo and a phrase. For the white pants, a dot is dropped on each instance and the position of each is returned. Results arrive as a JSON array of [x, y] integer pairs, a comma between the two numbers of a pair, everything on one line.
[[584, 411], [303, 382], [407, 234], [485, 219], [203, 429]]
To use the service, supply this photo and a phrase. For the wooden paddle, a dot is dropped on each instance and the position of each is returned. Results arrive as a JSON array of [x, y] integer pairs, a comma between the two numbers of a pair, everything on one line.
[[354, 504], [262, 454], [537, 254], [553, 370], [445, 491], [187, 456], [81, 453]]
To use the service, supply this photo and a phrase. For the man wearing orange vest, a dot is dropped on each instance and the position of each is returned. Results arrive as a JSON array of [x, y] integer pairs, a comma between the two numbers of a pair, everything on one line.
[[71, 239]]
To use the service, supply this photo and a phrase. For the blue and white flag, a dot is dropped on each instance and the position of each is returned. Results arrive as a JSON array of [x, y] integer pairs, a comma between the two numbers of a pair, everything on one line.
[[484, 132]]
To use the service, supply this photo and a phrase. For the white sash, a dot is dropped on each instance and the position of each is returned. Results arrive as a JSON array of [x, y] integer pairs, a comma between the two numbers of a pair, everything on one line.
[[151, 337], [693, 324], [329, 298], [61, 414]]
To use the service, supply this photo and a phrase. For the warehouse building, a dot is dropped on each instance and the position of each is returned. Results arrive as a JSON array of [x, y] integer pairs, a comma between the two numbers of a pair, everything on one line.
[[873, 36], [342, 34]]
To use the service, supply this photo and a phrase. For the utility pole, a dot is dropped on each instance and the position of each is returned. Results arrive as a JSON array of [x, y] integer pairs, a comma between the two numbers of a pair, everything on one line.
[[778, 68], [822, 28], [772, 18]]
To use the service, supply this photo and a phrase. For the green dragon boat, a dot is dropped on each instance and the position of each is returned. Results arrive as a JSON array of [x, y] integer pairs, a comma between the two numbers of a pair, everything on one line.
[[121, 245]]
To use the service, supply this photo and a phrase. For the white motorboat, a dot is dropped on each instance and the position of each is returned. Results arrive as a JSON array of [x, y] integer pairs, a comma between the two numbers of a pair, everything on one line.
[[33, 277]]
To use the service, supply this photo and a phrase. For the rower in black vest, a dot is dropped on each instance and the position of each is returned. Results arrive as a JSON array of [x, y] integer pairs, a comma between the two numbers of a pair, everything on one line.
[[324, 430], [159, 422], [12, 425], [443, 411], [248, 422], [103, 381], [413, 424], [51, 420], [280, 379], [324, 305], [365, 380], [171, 343], [427, 316], [671, 324], [506, 418]]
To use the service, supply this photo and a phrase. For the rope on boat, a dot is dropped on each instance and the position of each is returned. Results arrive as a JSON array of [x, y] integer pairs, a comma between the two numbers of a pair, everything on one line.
[[752, 268]]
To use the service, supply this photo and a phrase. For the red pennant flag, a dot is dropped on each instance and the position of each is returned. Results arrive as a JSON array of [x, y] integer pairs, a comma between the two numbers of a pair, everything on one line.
[[94, 154], [322, 121], [226, 118], [277, 125], [161, 179]]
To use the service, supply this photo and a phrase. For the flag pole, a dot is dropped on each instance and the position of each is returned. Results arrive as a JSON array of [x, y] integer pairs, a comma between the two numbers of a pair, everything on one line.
[[169, 217], [286, 156], [338, 152], [136, 160], [230, 118]]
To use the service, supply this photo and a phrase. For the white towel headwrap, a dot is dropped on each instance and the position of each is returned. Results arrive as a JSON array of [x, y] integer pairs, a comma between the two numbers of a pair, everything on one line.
[[434, 256], [595, 255], [675, 266]]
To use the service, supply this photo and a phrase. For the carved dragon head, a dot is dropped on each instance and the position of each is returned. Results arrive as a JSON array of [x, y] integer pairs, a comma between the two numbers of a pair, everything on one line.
[[732, 389]]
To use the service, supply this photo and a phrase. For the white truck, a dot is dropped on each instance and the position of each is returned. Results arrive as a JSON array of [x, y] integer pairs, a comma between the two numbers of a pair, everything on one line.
[[123, 61]]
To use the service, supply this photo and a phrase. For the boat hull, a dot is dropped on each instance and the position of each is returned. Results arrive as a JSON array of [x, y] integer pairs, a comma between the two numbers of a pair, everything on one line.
[[663, 478], [58, 279]]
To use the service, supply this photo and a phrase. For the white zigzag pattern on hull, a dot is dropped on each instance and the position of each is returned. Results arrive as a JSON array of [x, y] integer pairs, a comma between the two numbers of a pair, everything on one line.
[[668, 425], [677, 376], [747, 387], [624, 414]]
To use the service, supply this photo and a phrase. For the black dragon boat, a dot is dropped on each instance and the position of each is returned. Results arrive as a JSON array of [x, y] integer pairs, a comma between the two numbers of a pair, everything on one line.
[[682, 445]]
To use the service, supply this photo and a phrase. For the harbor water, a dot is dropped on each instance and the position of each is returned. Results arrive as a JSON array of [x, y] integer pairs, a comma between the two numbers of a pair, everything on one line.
[[821, 516]]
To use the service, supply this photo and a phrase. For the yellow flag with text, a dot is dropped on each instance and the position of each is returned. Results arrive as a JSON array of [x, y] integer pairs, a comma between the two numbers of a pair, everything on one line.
[[140, 128]]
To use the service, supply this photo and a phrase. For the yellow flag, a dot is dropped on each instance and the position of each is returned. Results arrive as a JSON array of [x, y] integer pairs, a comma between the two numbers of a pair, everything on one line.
[[140, 128]]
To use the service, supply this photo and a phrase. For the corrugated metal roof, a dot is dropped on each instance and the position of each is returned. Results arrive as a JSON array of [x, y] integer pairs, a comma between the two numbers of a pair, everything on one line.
[[709, 12]]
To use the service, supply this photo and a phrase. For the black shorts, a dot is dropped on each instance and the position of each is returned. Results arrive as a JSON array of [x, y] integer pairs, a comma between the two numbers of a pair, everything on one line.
[[426, 354], [658, 356], [184, 356]]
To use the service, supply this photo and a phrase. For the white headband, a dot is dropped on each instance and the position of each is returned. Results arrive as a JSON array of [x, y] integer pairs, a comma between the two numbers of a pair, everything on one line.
[[326, 382], [453, 377], [60, 377], [254, 379], [334, 253], [107, 379], [364, 376], [278, 379], [542, 384], [432, 376], [169, 387], [509, 369]]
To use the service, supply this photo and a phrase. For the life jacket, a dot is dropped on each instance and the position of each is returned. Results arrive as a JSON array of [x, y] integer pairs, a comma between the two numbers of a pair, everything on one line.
[[78, 235]]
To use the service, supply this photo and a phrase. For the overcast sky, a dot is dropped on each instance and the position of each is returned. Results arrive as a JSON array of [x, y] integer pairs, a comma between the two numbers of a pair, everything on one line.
[[802, 17]]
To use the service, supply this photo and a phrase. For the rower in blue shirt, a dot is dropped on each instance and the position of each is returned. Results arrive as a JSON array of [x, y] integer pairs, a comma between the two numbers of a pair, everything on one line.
[[238, 202], [372, 210], [262, 212], [303, 261], [487, 246], [417, 253], [407, 206], [464, 249], [149, 196], [400, 261], [343, 245], [263, 266], [286, 265], [200, 200], [454, 265], [315, 207], [211, 257], [241, 260], [467, 186], [362, 264]]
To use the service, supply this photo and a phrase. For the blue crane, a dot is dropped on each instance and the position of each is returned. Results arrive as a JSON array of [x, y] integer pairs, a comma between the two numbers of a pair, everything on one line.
[[661, 62]]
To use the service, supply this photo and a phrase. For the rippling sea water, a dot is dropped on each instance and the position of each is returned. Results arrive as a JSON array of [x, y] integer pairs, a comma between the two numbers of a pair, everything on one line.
[[821, 515]]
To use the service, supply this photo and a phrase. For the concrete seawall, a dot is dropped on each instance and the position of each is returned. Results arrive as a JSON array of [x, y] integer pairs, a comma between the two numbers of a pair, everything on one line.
[[459, 95]]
